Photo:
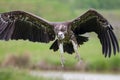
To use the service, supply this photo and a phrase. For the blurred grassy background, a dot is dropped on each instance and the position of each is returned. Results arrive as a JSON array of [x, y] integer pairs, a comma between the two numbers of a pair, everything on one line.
[[16, 74], [62, 10]]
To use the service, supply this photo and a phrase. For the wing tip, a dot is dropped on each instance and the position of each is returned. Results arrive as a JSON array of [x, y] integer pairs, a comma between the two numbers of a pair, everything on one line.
[[113, 42]]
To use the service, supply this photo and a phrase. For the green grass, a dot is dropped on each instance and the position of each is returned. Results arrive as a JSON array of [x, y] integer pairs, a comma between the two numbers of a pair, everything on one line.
[[16, 74], [91, 52], [54, 11]]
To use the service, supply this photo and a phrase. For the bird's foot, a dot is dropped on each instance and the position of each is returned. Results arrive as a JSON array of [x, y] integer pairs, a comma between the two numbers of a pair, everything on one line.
[[77, 56], [62, 61]]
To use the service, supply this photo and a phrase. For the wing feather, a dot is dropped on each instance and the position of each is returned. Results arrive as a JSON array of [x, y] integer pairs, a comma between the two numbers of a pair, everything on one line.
[[24, 25], [108, 39], [92, 21], [116, 41]]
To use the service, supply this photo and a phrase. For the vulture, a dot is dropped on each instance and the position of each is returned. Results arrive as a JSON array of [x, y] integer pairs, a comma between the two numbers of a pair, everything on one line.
[[66, 36]]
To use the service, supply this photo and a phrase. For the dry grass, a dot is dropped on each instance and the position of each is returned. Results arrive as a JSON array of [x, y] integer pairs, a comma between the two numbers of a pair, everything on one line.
[[22, 61]]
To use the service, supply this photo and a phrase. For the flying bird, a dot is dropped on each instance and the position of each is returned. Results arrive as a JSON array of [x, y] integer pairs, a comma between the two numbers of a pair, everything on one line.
[[67, 36]]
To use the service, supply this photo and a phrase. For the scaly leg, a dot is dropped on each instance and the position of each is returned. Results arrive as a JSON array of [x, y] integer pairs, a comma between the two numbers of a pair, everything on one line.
[[61, 54], [75, 46]]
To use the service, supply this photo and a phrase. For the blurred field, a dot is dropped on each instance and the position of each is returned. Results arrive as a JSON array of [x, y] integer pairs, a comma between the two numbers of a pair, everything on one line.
[[91, 53], [16, 74], [56, 10]]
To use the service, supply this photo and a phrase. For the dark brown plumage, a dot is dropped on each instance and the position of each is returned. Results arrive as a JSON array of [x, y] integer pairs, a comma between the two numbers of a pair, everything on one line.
[[24, 25]]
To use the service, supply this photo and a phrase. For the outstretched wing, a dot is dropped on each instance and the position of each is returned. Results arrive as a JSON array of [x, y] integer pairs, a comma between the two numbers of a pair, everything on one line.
[[23, 25], [92, 21]]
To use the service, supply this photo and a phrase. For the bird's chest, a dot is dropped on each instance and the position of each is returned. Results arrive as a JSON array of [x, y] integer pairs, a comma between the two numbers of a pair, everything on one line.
[[67, 37]]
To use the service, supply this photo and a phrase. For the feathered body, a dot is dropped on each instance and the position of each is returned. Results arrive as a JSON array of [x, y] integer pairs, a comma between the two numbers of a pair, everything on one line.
[[24, 25]]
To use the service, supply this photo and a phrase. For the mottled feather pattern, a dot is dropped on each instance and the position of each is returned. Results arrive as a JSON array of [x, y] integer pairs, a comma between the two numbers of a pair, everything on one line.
[[92, 21], [27, 26], [23, 25]]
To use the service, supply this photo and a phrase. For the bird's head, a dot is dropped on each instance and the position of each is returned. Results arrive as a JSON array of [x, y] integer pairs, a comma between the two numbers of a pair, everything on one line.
[[60, 31]]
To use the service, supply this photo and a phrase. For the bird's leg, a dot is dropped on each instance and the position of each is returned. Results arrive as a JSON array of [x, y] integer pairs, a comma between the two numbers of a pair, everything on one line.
[[61, 54], [75, 46]]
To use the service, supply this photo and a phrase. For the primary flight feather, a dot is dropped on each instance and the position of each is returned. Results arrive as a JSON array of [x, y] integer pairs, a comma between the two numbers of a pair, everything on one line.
[[23, 25]]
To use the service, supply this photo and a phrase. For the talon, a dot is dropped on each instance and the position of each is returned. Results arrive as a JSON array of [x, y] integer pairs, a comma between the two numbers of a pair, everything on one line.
[[62, 61], [77, 56]]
